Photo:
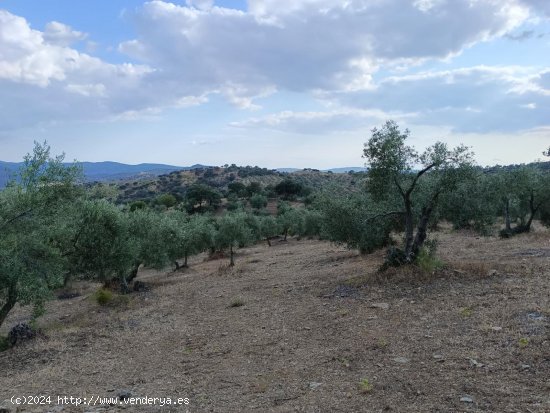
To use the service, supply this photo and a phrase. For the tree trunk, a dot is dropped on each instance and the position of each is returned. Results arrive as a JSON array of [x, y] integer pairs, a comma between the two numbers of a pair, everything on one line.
[[409, 230], [177, 264], [507, 215], [533, 210], [185, 261], [231, 259], [421, 233], [286, 233], [134, 272], [422, 228], [9, 304], [124, 288], [268, 241], [66, 278]]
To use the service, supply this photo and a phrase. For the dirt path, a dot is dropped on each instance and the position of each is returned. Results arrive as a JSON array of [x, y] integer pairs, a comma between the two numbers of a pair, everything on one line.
[[309, 330]]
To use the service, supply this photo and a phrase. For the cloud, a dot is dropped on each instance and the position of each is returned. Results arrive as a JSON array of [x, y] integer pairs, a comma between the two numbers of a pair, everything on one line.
[[320, 122], [544, 81], [311, 44], [520, 37], [43, 80], [60, 34], [475, 99], [542, 6], [336, 49], [201, 4]]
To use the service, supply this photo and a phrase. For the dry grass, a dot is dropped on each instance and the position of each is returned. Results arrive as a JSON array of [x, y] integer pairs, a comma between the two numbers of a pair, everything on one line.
[[317, 321]]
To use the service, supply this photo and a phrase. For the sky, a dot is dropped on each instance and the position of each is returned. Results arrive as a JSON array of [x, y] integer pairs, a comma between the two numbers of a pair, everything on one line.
[[274, 83]]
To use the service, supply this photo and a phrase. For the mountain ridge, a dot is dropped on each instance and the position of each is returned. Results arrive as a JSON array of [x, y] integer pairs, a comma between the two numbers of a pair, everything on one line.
[[106, 171]]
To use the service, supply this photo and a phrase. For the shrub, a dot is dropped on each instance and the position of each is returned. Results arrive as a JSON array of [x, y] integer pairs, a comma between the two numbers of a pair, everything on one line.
[[427, 262], [168, 200], [103, 296], [237, 302], [365, 386]]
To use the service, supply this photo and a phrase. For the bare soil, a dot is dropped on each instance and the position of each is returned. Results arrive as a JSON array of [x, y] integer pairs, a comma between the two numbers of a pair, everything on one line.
[[297, 327]]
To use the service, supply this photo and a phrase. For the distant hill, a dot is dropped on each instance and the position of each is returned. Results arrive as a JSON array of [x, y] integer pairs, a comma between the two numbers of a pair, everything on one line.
[[106, 171], [342, 170], [111, 171], [219, 178], [7, 169], [346, 169], [115, 171]]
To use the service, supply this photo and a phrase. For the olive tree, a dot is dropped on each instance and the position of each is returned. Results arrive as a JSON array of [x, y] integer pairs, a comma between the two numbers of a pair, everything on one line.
[[290, 219], [150, 235], [192, 234], [523, 191], [474, 204], [31, 263], [312, 223], [396, 168], [232, 232], [105, 246], [258, 201], [346, 220], [269, 228]]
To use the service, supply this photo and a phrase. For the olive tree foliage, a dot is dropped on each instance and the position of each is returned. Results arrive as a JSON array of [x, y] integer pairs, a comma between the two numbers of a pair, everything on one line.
[[399, 170], [269, 228], [290, 219], [258, 201], [350, 220], [104, 245], [473, 204], [150, 236], [312, 223], [31, 262], [232, 232], [188, 235]]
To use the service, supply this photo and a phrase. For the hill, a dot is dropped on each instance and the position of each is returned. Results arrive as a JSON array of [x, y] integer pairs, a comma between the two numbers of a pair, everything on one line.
[[105, 171], [219, 178]]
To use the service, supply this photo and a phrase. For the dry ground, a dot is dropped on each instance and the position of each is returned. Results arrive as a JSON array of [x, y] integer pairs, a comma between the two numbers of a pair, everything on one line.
[[308, 333]]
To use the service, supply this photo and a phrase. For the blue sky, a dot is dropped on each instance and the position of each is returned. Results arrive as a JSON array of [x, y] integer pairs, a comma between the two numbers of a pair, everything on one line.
[[275, 83]]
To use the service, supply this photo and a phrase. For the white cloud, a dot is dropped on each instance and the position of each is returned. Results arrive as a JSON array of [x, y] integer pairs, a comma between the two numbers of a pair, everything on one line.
[[311, 44], [467, 100], [60, 34], [97, 89], [325, 122], [44, 80], [337, 49]]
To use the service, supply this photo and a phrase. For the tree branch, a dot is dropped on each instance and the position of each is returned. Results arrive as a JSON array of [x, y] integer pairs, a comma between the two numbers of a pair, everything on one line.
[[417, 177], [399, 186]]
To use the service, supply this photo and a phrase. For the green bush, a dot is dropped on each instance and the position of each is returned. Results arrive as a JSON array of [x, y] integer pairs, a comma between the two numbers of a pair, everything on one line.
[[426, 259], [168, 200], [103, 296], [236, 302]]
